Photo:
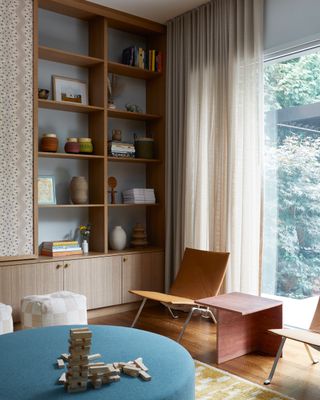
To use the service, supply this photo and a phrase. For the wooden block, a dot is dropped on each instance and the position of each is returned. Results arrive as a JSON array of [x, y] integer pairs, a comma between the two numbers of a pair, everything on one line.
[[97, 383], [98, 369], [94, 356], [139, 363], [132, 371], [85, 329], [65, 356], [62, 379], [81, 335], [60, 363], [145, 376], [96, 364]]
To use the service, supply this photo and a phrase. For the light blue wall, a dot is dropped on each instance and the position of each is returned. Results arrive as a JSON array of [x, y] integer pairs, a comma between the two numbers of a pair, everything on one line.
[[69, 34]]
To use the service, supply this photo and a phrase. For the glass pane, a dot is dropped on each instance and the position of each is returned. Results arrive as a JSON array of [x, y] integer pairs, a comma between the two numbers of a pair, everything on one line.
[[291, 259]]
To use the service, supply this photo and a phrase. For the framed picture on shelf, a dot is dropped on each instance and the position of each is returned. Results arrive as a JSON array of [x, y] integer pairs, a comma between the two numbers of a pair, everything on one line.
[[46, 190], [68, 89]]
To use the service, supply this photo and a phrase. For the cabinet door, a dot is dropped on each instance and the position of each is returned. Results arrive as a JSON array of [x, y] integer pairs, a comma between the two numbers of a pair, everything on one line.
[[34, 279], [5, 285], [141, 272], [99, 279]]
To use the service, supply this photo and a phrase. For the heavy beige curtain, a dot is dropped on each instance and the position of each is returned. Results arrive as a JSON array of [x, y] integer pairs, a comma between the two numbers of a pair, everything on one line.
[[215, 136]]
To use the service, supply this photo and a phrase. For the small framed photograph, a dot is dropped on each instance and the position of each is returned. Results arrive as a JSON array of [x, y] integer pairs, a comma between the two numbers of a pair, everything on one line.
[[46, 190], [68, 89]]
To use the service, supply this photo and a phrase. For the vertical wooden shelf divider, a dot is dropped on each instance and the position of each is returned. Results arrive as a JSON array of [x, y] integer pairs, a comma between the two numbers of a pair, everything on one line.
[[98, 132], [155, 173]]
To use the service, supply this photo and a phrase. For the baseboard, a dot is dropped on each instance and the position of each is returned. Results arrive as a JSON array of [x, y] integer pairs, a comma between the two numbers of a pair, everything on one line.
[[102, 312]]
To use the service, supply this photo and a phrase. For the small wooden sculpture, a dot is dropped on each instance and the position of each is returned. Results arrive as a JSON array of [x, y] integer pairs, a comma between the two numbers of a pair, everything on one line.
[[112, 183], [139, 237]]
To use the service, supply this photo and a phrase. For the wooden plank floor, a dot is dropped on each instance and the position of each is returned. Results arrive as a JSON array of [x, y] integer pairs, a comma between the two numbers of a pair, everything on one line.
[[295, 376]]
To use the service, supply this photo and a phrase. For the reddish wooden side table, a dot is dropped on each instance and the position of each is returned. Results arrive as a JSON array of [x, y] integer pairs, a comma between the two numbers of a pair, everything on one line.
[[243, 323]]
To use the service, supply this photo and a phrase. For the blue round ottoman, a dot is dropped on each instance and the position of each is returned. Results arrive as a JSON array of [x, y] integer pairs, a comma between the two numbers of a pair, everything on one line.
[[28, 365]]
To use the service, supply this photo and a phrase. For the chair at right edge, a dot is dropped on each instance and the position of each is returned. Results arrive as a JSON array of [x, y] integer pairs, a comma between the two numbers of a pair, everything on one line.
[[309, 337]]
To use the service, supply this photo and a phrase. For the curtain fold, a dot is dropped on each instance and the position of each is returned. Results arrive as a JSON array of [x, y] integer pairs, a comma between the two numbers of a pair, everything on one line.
[[214, 137]]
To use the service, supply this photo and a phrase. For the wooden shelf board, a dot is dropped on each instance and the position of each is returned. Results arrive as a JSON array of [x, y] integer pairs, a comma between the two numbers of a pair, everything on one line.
[[114, 113], [133, 72], [134, 205], [67, 106], [91, 254], [133, 250], [45, 154], [64, 57], [133, 160], [69, 205]]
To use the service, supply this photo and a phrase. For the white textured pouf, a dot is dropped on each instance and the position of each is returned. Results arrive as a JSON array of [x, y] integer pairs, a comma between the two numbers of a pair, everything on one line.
[[6, 322], [60, 308]]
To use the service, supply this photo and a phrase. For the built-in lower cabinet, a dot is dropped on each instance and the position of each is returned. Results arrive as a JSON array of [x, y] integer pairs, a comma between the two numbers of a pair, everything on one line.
[[99, 279], [141, 271], [105, 280]]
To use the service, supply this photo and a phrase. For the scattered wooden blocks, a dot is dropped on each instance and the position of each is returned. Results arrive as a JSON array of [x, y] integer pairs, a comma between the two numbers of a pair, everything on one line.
[[144, 375], [62, 379], [132, 371], [81, 371], [60, 363]]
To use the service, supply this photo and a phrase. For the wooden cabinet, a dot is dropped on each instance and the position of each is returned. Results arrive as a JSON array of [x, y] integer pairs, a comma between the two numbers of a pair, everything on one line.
[[105, 281], [26, 280], [141, 271], [99, 279]]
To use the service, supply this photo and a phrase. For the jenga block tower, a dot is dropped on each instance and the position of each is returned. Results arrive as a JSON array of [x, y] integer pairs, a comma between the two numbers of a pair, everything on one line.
[[77, 376]]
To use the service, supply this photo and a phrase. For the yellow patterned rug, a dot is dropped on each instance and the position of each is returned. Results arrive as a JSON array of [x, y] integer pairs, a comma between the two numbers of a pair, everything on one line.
[[215, 384]]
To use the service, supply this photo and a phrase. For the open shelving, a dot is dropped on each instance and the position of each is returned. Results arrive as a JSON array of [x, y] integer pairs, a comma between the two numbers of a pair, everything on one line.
[[97, 64]]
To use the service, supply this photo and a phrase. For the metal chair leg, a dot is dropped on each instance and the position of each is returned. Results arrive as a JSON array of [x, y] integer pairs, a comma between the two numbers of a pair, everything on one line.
[[138, 313], [174, 316], [193, 309], [310, 355], [211, 315], [275, 363]]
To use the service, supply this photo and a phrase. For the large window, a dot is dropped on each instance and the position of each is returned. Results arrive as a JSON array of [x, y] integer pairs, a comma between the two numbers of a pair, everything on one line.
[[291, 260]]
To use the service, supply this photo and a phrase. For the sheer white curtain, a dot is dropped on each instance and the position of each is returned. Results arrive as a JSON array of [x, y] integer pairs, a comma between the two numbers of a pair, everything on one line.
[[215, 136]]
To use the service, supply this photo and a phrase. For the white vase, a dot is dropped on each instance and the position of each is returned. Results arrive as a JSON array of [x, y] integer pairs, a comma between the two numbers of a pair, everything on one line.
[[85, 247], [118, 238]]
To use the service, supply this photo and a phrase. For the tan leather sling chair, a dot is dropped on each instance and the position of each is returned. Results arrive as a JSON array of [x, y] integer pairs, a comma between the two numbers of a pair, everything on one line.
[[309, 337], [201, 275]]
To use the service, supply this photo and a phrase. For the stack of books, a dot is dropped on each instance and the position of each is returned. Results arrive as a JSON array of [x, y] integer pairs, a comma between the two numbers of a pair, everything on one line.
[[139, 196], [120, 149], [141, 58], [61, 248]]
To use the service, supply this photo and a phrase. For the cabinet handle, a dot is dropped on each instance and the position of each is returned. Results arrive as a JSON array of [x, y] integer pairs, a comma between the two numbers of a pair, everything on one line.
[[66, 265], [58, 266], [124, 259]]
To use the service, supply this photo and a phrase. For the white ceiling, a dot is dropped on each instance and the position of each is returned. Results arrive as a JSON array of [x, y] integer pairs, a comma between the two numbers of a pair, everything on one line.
[[155, 10]]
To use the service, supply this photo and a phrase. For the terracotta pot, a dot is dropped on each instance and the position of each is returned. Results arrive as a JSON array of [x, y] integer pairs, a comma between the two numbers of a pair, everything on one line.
[[79, 190], [118, 238], [72, 146], [49, 142]]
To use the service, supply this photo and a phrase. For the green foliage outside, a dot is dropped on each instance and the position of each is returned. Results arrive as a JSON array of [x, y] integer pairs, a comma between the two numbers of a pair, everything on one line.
[[293, 161]]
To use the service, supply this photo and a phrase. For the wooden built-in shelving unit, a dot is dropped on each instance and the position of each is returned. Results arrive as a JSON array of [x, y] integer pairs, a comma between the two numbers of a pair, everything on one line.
[[99, 19]]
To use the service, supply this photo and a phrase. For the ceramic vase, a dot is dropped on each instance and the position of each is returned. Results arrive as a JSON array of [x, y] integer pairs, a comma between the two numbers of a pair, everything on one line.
[[85, 246], [118, 238], [79, 190], [139, 237]]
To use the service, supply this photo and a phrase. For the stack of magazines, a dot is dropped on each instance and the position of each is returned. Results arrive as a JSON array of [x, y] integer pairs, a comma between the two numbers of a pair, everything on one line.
[[120, 149], [61, 248], [139, 196]]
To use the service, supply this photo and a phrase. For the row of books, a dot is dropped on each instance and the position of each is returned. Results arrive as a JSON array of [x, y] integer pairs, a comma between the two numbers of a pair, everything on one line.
[[141, 58], [121, 149], [139, 196], [61, 248]]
